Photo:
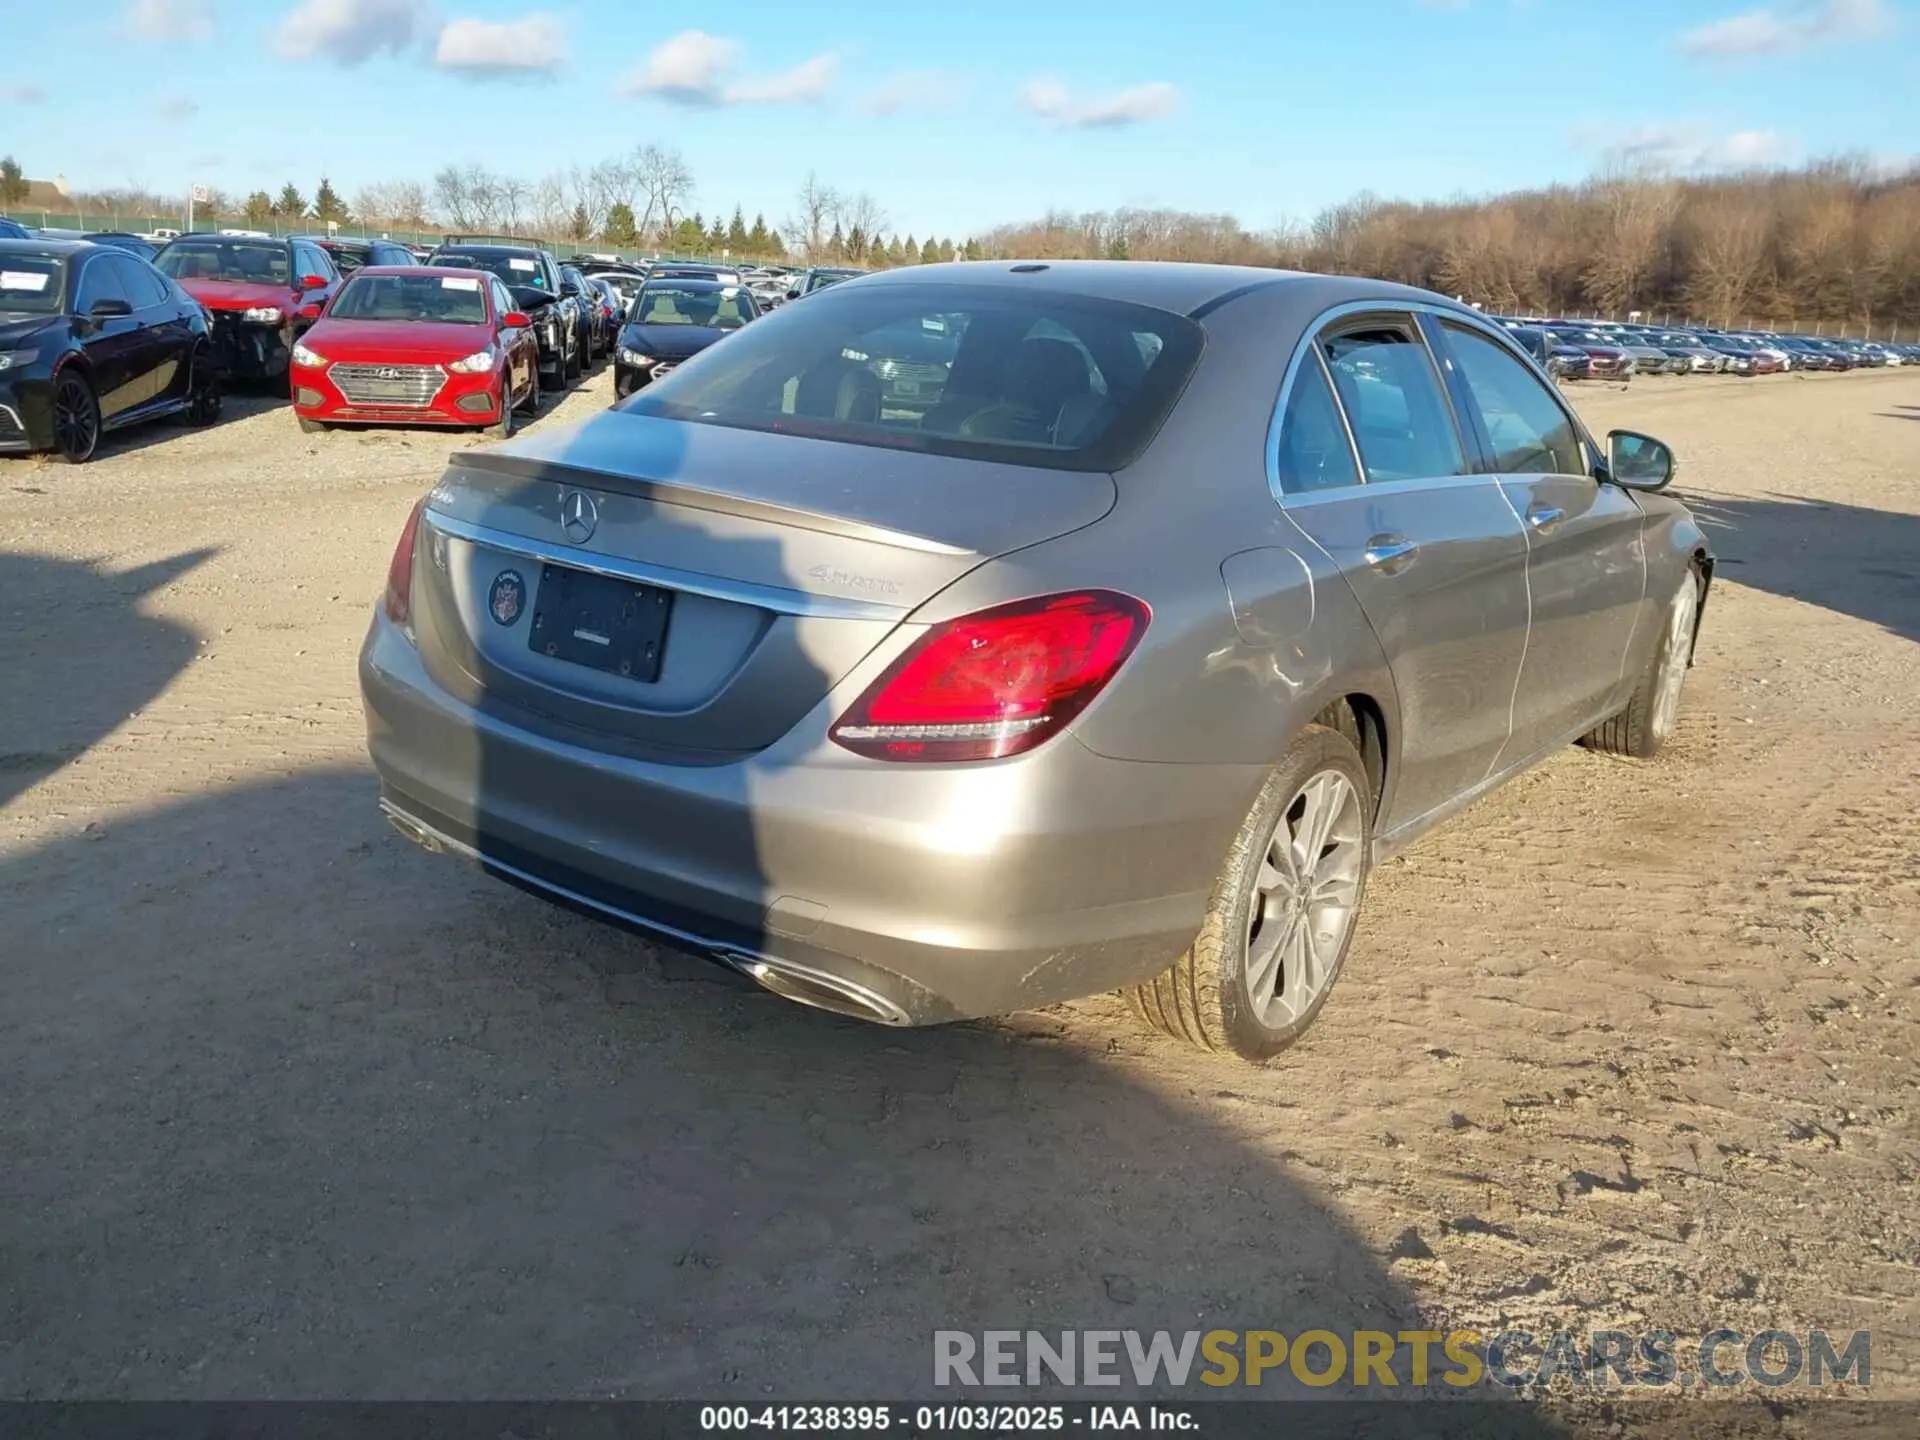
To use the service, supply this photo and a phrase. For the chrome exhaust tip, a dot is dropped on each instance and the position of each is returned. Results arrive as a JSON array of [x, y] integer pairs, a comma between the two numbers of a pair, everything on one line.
[[412, 829], [815, 988]]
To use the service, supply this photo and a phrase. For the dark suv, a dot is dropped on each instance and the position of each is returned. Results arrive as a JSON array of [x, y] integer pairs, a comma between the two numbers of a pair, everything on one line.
[[532, 276], [351, 252]]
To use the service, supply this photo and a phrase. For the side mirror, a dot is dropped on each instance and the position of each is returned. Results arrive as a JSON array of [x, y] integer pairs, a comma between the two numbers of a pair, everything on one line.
[[1639, 462], [514, 320], [109, 310]]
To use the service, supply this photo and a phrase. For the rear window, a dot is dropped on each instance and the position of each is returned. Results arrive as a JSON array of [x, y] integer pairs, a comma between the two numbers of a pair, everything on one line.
[[1033, 378], [447, 299]]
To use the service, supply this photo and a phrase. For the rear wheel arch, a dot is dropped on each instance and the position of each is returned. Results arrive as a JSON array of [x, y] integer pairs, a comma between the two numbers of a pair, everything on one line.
[[1363, 720]]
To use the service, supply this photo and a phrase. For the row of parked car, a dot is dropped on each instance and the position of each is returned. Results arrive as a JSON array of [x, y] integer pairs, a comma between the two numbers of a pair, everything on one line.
[[102, 330], [1607, 350]]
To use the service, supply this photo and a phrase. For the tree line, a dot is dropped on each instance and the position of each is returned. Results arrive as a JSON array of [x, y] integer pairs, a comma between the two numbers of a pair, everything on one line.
[[1833, 240]]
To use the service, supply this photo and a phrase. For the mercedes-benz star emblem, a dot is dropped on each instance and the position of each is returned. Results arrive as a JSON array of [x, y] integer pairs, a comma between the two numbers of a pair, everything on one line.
[[578, 516]]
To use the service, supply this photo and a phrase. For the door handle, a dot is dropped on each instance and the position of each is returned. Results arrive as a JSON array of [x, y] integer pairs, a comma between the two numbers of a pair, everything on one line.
[[1390, 554], [1544, 517]]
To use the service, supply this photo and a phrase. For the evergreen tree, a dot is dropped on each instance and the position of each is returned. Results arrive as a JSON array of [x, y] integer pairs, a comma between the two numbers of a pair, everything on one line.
[[619, 229], [894, 253], [259, 208], [13, 185], [910, 252], [856, 242], [327, 204], [1119, 250], [760, 240], [737, 233], [717, 236], [837, 243], [291, 205], [973, 250], [930, 252], [579, 224]]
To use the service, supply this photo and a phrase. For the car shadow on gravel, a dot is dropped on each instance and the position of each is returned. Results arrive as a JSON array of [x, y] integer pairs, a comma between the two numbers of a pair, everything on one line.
[[296, 1110], [1846, 558], [60, 696]]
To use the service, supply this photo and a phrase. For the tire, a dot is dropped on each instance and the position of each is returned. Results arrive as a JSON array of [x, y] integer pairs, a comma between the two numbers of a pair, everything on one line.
[[502, 429], [310, 427], [76, 417], [571, 367], [1647, 722], [1206, 996]]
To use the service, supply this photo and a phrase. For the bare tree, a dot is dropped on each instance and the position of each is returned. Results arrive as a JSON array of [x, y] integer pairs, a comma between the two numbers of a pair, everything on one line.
[[816, 209], [665, 186]]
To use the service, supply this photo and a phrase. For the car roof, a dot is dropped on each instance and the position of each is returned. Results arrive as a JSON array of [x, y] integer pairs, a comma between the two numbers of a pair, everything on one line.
[[693, 282], [39, 245], [488, 247], [1186, 289], [461, 271]]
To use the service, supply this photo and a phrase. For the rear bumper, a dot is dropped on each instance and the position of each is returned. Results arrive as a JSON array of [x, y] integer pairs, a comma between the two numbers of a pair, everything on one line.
[[940, 892]]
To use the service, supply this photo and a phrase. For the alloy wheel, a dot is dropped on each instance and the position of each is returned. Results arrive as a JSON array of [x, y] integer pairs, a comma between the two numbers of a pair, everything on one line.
[[76, 418], [1304, 899]]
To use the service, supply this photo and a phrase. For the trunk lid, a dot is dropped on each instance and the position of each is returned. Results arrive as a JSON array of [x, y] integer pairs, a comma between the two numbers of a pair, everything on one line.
[[785, 560]]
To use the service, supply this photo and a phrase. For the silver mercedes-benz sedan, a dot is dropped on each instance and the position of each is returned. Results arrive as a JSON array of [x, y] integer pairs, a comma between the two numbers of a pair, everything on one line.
[[972, 637]]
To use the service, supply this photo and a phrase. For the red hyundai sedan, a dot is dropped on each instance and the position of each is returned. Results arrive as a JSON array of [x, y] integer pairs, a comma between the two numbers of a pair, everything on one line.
[[417, 346]]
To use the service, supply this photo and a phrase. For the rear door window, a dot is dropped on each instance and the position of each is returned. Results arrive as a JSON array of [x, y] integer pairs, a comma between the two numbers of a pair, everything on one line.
[[1388, 386], [1314, 452]]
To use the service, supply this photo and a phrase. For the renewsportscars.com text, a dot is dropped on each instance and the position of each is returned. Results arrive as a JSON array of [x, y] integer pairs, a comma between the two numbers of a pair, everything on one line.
[[1383, 1358]]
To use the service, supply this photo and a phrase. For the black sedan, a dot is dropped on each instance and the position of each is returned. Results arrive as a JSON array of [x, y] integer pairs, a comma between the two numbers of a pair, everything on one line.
[[93, 339], [671, 320]]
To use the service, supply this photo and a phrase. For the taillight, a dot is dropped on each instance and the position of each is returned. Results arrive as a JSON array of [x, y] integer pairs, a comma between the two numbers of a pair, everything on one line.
[[995, 683], [400, 570]]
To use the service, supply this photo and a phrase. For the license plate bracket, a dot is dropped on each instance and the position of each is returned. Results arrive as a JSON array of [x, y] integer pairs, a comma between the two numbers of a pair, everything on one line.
[[601, 622]]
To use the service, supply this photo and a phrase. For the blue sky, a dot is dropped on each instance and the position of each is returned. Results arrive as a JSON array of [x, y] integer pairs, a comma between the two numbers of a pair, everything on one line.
[[959, 115]]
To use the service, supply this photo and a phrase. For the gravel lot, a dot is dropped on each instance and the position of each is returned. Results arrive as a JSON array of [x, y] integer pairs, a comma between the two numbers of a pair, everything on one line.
[[292, 1109]]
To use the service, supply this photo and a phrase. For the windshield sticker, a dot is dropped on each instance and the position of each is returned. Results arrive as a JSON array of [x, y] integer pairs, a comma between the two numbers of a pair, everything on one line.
[[458, 282], [33, 280], [527, 266]]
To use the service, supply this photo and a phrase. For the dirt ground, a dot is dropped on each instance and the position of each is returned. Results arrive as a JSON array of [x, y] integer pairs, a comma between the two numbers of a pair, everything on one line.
[[289, 1108]]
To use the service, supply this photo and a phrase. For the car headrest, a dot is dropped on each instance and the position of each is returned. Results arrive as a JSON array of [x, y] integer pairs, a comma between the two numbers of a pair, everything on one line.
[[1046, 373]]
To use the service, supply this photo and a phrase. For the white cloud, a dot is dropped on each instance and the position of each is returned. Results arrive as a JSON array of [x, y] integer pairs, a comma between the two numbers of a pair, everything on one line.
[[21, 94], [915, 90], [1685, 147], [349, 31], [535, 45], [692, 68], [1784, 29], [685, 69], [1052, 101], [808, 80], [168, 19], [177, 107]]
